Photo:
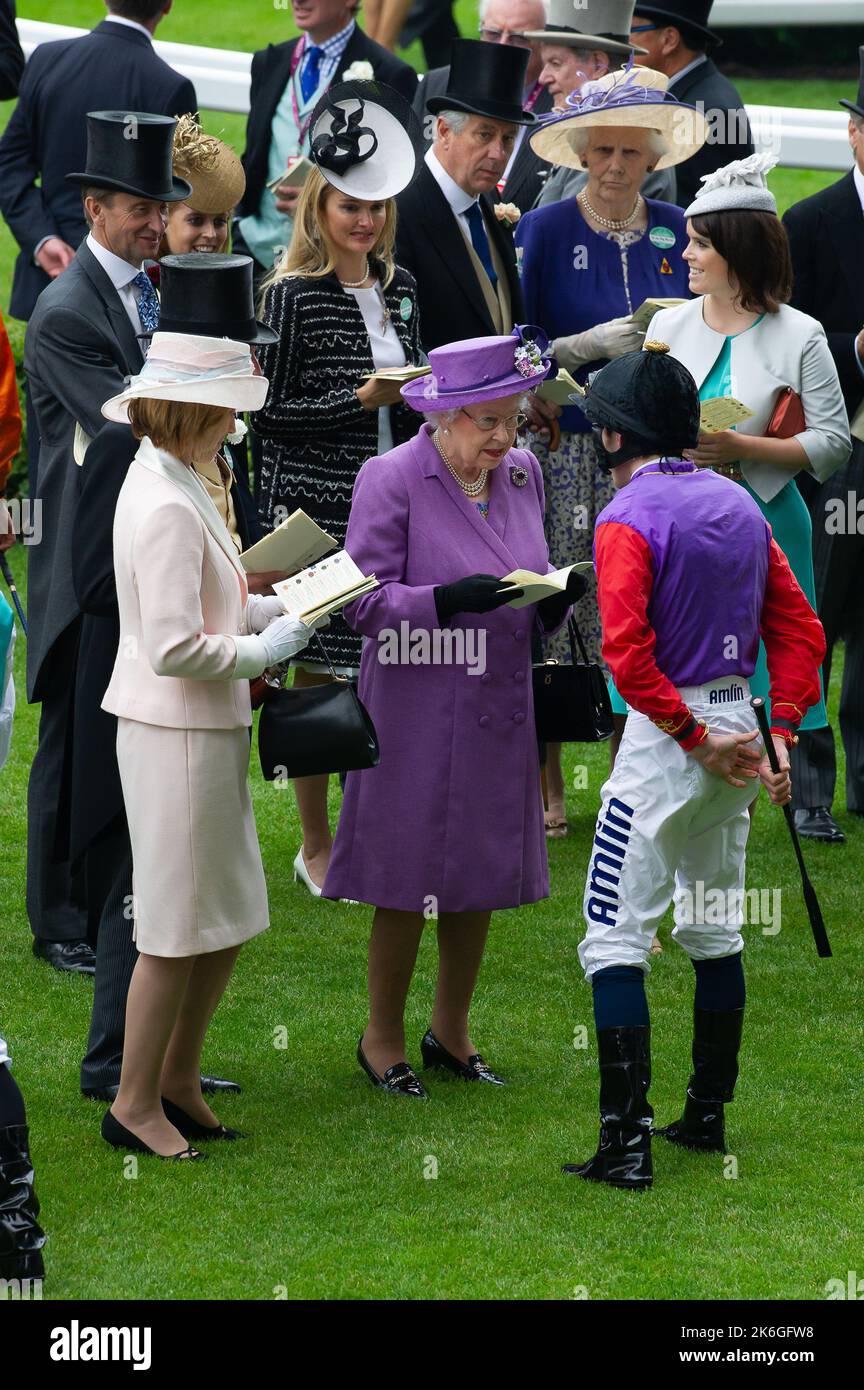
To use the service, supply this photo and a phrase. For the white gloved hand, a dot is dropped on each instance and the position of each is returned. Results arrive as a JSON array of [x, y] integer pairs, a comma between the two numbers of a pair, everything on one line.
[[282, 638], [604, 341], [261, 610]]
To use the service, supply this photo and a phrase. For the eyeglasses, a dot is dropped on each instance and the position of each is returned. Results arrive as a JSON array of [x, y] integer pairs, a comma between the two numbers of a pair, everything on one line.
[[505, 36], [488, 423], [642, 28]]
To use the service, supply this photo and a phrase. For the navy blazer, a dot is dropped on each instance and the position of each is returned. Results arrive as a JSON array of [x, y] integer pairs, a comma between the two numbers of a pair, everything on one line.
[[114, 68], [271, 70], [11, 52], [430, 244], [826, 238]]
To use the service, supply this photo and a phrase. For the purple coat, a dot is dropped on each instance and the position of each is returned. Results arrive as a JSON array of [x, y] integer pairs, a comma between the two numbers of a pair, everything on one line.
[[454, 809]]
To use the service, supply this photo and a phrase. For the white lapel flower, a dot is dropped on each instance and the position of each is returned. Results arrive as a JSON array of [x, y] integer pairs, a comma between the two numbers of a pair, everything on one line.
[[359, 71], [508, 213], [239, 431]]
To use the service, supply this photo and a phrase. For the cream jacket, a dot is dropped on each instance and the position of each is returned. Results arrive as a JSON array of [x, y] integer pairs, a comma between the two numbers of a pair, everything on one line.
[[185, 652], [786, 349]]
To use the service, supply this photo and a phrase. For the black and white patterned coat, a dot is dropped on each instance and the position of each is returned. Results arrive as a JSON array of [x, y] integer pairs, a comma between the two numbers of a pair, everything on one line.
[[316, 434]]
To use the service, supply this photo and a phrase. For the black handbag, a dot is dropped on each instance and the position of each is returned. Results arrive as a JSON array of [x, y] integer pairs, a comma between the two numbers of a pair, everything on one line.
[[571, 703], [317, 729]]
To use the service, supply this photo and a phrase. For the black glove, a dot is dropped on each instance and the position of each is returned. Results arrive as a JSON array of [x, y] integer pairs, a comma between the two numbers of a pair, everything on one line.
[[479, 593], [553, 610]]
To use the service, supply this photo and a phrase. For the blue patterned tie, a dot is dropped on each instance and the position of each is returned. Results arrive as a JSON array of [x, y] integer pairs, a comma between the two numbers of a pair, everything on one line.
[[311, 74], [148, 302], [480, 240]]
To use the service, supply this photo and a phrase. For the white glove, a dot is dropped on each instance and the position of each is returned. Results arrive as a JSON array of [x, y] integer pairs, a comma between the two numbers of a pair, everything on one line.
[[282, 638], [604, 341], [261, 610]]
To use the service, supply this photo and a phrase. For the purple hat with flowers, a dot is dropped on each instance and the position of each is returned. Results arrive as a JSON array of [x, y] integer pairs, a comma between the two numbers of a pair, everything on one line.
[[481, 369]]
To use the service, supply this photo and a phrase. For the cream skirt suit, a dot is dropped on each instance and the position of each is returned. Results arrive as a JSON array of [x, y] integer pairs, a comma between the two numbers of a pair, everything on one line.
[[180, 691]]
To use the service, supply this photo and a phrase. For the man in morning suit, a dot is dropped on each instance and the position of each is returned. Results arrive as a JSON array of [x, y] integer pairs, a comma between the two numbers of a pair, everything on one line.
[[447, 233], [81, 343], [210, 295], [288, 81], [113, 68], [504, 21], [826, 236], [11, 53], [677, 40]]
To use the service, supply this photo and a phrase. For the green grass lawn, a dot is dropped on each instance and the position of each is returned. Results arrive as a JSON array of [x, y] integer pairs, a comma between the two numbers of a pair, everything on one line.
[[328, 1198]]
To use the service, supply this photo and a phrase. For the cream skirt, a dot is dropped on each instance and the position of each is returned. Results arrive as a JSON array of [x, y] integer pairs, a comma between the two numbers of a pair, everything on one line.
[[198, 881]]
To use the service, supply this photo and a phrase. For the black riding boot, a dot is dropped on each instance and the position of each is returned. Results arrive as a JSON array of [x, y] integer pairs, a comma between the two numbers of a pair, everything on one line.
[[623, 1158], [21, 1236], [716, 1040]]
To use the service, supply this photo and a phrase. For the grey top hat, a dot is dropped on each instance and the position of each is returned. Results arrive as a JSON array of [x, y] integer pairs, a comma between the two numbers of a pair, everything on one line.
[[740, 184], [603, 24]]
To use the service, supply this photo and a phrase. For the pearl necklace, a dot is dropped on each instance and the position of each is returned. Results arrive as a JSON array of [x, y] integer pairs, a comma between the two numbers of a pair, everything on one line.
[[470, 489], [356, 284], [610, 223]]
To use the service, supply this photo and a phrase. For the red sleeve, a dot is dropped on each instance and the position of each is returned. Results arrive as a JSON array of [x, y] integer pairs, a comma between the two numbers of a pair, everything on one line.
[[794, 644], [625, 578]]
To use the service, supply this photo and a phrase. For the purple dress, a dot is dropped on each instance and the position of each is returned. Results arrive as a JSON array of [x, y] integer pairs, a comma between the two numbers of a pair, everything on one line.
[[453, 812]]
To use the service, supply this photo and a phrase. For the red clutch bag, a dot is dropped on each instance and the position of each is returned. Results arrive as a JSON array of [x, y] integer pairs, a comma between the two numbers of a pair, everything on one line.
[[787, 418]]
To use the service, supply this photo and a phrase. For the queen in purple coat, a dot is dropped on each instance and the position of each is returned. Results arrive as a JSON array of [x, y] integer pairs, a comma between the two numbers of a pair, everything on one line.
[[450, 823]]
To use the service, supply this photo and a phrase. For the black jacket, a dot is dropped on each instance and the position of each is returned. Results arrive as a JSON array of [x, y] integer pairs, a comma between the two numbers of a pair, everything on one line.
[[729, 130], [529, 172], [271, 69], [114, 68], [430, 244], [826, 237], [11, 52], [92, 794]]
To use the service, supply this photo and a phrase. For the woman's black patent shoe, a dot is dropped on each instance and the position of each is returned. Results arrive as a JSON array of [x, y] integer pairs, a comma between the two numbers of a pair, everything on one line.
[[475, 1069], [121, 1138], [399, 1079], [191, 1129]]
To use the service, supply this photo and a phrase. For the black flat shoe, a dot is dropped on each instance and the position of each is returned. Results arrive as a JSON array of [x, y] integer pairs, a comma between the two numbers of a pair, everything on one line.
[[817, 823], [475, 1069], [399, 1079], [119, 1137], [191, 1129], [210, 1086], [75, 957]]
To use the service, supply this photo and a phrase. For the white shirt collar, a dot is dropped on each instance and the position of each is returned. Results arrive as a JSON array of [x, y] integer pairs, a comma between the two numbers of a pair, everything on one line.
[[689, 68], [119, 272], [459, 200], [859, 184], [130, 24]]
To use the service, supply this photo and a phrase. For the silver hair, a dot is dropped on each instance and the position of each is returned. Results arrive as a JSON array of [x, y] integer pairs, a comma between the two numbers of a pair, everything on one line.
[[456, 120], [657, 143]]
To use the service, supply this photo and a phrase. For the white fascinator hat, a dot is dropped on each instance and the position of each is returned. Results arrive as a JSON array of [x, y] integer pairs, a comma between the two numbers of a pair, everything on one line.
[[199, 371], [366, 140], [739, 185]]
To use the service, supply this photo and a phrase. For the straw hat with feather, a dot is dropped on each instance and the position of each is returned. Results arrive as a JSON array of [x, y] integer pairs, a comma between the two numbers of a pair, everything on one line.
[[210, 166]]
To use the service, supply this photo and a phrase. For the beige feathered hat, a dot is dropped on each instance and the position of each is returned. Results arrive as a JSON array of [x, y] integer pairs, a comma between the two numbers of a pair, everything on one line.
[[213, 169]]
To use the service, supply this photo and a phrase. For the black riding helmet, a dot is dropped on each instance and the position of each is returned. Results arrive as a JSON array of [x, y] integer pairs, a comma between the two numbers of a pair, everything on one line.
[[649, 397]]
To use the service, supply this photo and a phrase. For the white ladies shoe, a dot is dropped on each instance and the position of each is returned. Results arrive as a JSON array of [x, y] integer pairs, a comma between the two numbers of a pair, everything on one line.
[[301, 872]]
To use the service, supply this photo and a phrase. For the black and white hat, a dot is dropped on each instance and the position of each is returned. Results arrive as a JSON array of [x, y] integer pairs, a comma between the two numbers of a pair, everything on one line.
[[366, 140]]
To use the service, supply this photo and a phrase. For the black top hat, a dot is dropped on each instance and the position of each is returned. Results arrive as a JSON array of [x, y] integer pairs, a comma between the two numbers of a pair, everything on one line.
[[690, 16], [486, 79], [131, 151], [857, 107], [210, 295]]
